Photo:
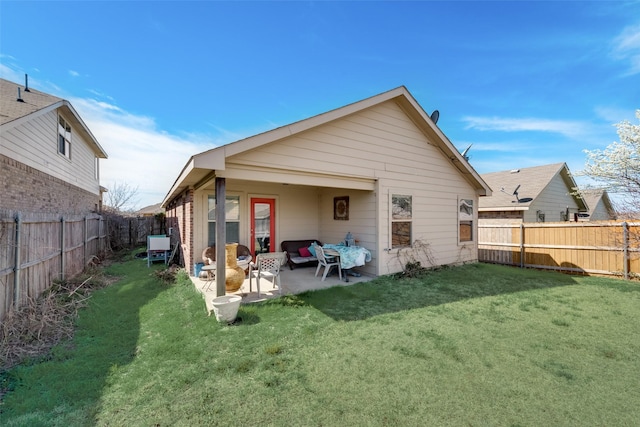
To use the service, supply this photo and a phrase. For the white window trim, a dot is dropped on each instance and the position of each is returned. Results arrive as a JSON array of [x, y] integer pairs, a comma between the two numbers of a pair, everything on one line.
[[391, 220], [473, 220], [228, 195], [66, 134]]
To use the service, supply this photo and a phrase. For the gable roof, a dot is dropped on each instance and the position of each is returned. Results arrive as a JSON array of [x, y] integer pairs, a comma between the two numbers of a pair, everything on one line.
[[593, 196], [530, 183], [35, 103], [151, 210], [200, 166]]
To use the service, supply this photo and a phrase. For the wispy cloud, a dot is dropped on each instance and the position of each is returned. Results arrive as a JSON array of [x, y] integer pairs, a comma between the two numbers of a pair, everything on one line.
[[567, 128], [139, 154], [510, 147], [74, 73], [100, 94], [626, 47]]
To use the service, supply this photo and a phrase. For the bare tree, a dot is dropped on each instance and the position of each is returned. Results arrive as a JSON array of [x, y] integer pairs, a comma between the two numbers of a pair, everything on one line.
[[121, 197], [617, 167]]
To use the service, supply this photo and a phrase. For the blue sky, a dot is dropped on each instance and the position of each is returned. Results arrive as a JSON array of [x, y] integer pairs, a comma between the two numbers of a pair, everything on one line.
[[527, 83]]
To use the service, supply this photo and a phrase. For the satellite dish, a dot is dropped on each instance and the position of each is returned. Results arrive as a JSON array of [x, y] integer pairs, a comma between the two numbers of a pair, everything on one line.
[[515, 193], [435, 116], [464, 153]]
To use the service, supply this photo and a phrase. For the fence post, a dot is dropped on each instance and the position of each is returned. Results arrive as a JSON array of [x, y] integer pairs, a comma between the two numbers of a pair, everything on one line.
[[16, 269], [522, 245], [62, 260], [84, 243], [130, 233], [625, 249]]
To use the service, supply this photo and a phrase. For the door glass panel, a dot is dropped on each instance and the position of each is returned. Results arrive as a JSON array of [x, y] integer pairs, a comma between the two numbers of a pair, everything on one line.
[[262, 226]]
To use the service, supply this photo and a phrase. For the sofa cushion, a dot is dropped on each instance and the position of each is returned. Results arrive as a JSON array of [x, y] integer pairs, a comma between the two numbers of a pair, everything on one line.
[[302, 259]]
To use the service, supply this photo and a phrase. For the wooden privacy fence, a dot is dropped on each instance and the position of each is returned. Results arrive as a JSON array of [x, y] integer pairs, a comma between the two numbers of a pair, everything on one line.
[[37, 249], [130, 231], [609, 248]]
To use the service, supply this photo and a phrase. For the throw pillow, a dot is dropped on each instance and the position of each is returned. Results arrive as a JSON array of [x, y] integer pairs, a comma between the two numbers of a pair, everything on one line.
[[312, 250], [304, 252]]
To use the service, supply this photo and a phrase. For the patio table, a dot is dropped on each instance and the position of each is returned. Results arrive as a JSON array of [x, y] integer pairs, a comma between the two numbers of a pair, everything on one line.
[[349, 257]]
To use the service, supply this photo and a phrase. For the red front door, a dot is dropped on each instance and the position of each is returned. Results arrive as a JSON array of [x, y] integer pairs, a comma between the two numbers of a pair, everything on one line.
[[263, 225]]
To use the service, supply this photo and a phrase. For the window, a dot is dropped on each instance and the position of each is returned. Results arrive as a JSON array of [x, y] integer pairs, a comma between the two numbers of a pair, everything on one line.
[[64, 137], [232, 212], [96, 168], [401, 220], [465, 220]]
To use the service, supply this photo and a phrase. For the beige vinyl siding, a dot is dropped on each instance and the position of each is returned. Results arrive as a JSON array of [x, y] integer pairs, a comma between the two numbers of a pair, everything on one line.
[[553, 199], [435, 220], [380, 143], [362, 222], [599, 212], [350, 146], [35, 143]]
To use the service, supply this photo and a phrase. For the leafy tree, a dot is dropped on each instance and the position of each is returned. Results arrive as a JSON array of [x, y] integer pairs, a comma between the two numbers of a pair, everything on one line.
[[617, 167]]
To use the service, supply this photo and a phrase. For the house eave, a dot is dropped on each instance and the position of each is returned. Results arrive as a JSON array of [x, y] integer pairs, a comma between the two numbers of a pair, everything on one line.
[[504, 209], [73, 117]]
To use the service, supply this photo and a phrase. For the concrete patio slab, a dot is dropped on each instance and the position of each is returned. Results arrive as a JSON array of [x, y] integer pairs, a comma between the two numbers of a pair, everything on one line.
[[293, 282]]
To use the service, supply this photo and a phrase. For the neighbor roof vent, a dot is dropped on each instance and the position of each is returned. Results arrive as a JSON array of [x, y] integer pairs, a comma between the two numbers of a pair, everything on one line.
[[26, 83], [19, 99]]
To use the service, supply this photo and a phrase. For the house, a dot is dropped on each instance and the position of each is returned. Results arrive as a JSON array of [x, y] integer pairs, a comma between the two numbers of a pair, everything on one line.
[[600, 206], [379, 168], [536, 194], [151, 210], [49, 160]]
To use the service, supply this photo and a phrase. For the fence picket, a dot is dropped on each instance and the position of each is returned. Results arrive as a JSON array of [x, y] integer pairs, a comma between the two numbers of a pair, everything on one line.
[[36, 249], [606, 247]]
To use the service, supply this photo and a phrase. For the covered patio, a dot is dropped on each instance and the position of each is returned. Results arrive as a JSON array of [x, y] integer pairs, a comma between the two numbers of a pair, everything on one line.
[[293, 282]]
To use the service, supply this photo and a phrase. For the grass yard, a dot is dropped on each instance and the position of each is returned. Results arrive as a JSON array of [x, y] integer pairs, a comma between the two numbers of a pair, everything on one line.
[[473, 345]]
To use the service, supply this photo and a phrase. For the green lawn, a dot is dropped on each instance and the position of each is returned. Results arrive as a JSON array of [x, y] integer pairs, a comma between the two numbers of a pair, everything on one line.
[[473, 345]]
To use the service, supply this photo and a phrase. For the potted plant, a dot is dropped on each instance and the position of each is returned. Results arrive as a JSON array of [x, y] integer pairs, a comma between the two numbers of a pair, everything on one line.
[[226, 307]]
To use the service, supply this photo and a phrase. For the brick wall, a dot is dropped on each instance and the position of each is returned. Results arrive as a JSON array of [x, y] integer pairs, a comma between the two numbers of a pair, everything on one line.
[[23, 188], [179, 213], [500, 215]]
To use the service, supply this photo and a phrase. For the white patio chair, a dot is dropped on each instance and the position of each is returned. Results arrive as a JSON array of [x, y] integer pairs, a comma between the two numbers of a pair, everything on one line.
[[327, 262], [267, 266]]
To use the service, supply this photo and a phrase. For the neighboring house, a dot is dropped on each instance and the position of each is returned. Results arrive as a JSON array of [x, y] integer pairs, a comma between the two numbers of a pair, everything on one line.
[[600, 206], [379, 168], [49, 160], [535, 194], [151, 210]]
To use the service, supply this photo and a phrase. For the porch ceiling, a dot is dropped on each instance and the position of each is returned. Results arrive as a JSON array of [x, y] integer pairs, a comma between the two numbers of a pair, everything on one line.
[[197, 178], [282, 176]]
